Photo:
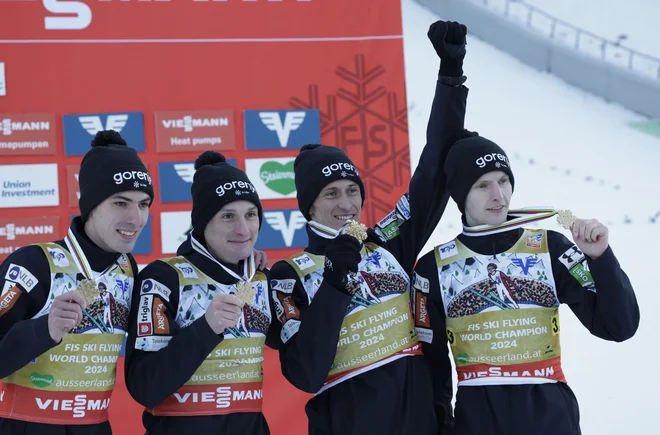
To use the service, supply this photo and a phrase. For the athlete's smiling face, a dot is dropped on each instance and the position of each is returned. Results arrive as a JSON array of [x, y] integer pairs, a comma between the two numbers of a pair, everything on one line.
[[488, 201], [115, 224], [337, 203]]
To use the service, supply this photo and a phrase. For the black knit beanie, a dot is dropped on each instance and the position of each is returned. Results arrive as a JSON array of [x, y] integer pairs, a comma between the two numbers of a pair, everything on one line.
[[469, 159], [315, 167], [217, 183], [110, 167]]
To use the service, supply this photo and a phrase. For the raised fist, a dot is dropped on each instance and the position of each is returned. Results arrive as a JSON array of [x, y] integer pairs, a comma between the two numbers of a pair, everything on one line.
[[448, 39]]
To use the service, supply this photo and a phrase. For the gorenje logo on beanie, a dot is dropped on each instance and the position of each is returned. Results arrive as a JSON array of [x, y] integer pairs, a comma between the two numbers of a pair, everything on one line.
[[120, 177], [231, 185], [483, 160], [328, 170]]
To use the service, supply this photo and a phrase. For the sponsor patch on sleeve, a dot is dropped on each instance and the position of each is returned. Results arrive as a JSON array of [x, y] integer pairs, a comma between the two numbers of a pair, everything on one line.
[[289, 329], [151, 343], [22, 276], [572, 256], [425, 335], [8, 299], [421, 311], [420, 283], [279, 308], [581, 273], [145, 323], [289, 307], [403, 207], [388, 227], [151, 286], [159, 320], [6, 287], [283, 285]]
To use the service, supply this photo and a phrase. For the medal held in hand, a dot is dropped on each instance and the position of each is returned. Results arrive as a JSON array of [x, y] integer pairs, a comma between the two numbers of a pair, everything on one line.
[[87, 289], [357, 230], [566, 218], [245, 292]]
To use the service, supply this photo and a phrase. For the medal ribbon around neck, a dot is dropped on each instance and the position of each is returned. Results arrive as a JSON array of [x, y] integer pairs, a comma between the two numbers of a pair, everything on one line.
[[352, 228], [80, 258], [322, 230], [84, 267], [249, 266], [523, 216]]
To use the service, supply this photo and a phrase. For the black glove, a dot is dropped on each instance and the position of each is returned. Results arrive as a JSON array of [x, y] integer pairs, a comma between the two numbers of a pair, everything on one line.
[[448, 39], [341, 257]]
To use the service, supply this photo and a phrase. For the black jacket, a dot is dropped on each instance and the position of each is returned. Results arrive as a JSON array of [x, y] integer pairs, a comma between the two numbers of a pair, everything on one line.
[[22, 338], [395, 398], [609, 311], [153, 376]]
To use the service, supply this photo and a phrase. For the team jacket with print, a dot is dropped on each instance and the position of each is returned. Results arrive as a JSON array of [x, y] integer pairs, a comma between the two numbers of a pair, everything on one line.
[[191, 380], [30, 279], [494, 298], [366, 371]]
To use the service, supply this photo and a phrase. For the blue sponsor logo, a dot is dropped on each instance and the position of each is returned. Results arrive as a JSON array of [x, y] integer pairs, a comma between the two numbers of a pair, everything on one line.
[[175, 179], [281, 129], [281, 229], [80, 129]]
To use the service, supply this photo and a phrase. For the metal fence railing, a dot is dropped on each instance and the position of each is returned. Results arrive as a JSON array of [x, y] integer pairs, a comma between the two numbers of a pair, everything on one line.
[[580, 39]]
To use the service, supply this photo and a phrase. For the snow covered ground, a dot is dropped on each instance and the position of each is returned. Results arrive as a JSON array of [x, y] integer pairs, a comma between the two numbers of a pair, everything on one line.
[[637, 19], [569, 149], [609, 19]]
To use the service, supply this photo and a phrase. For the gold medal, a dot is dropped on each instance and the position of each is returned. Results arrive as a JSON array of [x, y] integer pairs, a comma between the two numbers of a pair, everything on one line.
[[566, 218], [357, 230], [87, 289], [245, 292]]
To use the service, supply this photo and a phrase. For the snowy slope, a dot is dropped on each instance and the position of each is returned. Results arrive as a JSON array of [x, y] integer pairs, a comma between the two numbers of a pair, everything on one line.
[[569, 150], [608, 19], [637, 19]]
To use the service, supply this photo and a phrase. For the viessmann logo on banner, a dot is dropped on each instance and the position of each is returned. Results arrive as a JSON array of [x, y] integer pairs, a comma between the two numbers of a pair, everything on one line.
[[27, 134], [281, 129], [80, 129], [195, 131], [282, 228], [22, 231], [29, 185], [175, 180]]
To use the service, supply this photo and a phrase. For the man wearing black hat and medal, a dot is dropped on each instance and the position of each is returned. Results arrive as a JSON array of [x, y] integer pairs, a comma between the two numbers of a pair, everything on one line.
[[195, 347], [60, 339], [506, 346], [344, 303]]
